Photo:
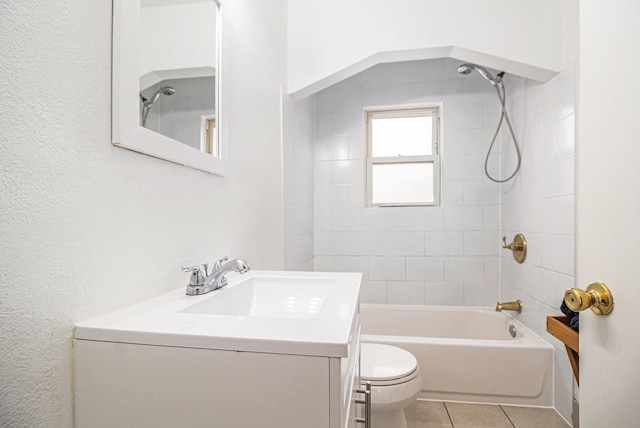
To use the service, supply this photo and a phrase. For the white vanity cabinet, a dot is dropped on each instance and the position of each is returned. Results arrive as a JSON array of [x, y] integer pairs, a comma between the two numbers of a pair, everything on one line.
[[127, 379]]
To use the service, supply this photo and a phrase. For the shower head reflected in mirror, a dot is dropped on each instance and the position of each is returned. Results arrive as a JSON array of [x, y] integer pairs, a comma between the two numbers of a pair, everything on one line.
[[147, 103]]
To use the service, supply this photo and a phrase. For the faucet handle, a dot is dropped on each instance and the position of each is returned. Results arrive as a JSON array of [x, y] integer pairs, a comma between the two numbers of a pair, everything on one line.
[[198, 273], [218, 264]]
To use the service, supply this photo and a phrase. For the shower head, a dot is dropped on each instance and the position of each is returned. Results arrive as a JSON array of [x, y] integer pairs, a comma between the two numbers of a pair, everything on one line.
[[468, 68], [165, 90], [148, 103], [465, 69]]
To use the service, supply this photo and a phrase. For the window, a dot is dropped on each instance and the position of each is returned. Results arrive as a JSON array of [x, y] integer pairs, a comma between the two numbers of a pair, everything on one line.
[[403, 159], [208, 140]]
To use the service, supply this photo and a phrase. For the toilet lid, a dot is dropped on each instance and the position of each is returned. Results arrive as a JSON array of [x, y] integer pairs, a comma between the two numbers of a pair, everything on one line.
[[384, 362]]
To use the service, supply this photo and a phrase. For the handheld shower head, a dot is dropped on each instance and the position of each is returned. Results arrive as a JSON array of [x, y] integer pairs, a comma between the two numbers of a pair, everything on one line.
[[148, 103], [468, 68], [465, 68], [165, 90]]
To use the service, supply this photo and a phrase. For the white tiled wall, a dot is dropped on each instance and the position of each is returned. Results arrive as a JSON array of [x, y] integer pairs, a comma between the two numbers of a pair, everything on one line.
[[446, 255], [298, 181], [451, 255], [540, 204]]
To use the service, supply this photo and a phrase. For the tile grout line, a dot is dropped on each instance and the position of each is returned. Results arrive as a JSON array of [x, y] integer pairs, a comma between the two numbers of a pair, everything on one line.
[[446, 409], [508, 418]]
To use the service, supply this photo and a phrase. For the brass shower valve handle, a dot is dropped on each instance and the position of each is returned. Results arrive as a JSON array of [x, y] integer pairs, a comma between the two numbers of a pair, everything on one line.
[[518, 246], [514, 246]]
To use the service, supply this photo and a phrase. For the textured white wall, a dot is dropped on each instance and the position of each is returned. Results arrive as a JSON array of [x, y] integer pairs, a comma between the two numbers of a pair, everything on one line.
[[334, 39], [87, 228], [445, 255], [299, 191], [540, 202]]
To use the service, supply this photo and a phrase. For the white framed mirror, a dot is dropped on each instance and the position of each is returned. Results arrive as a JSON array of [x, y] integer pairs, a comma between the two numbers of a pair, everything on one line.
[[166, 81]]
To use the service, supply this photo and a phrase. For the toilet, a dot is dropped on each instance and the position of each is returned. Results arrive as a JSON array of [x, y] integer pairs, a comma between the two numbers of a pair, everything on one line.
[[395, 382]]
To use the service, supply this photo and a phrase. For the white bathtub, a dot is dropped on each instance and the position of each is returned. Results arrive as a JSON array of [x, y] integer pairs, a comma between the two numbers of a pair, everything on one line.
[[466, 353]]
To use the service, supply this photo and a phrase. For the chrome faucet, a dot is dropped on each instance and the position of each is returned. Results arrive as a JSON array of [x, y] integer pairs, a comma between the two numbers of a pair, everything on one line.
[[217, 278], [201, 282], [509, 306]]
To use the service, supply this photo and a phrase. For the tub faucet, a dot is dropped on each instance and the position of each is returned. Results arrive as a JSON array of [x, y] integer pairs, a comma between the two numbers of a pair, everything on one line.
[[510, 306], [202, 282]]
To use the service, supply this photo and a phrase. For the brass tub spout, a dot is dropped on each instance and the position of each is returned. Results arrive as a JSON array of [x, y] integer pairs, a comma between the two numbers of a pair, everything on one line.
[[510, 306]]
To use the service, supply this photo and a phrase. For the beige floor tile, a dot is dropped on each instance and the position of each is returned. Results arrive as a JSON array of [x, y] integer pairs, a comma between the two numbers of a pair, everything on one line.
[[427, 414], [477, 416], [529, 417]]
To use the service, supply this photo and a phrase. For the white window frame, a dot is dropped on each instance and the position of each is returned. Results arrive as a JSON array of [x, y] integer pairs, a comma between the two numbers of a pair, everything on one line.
[[398, 112], [209, 135]]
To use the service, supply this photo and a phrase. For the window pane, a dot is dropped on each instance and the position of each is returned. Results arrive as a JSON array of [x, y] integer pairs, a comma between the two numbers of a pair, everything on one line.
[[401, 136], [402, 182]]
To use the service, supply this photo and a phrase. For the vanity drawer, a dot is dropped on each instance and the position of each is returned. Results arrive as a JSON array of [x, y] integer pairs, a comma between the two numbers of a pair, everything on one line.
[[343, 411]]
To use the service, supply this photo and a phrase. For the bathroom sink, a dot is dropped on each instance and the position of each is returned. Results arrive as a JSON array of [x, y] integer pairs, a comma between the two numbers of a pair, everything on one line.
[[297, 313], [267, 297]]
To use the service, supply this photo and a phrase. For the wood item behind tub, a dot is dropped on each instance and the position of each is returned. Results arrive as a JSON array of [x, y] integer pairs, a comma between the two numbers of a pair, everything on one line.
[[559, 328]]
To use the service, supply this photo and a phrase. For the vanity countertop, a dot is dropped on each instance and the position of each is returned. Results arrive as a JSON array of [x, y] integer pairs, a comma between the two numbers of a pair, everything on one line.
[[301, 313]]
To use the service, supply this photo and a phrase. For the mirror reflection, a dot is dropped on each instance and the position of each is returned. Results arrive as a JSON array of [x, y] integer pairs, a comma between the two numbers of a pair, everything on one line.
[[178, 66]]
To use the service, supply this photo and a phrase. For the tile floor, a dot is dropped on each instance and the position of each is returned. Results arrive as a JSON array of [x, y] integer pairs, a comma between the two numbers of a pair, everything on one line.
[[436, 414]]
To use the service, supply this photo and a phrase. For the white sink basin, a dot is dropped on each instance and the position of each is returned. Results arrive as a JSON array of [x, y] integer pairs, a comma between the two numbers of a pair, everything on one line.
[[301, 313], [268, 297]]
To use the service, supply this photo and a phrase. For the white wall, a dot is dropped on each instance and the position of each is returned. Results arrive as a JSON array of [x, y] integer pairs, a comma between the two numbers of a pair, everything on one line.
[[166, 43], [445, 255], [87, 228], [540, 202], [298, 176], [334, 39]]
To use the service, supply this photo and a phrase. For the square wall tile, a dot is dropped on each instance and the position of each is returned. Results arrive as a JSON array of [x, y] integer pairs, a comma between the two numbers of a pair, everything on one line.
[[467, 141], [481, 243], [425, 268], [373, 292], [405, 292], [444, 243], [332, 148], [332, 243], [328, 195], [452, 192], [558, 253], [384, 243], [492, 268], [463, 268], [481, 192], [480, 293], [423, 218], [386, 268], [463, 167], [464, 218], [464, 116], [446, 293], [491, 219], [343, 264]]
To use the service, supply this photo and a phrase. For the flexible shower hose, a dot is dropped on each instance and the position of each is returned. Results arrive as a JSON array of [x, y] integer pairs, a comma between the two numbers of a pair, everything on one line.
[[502, 95]]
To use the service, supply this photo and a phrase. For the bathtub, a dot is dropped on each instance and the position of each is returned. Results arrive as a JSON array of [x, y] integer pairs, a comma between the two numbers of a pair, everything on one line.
[[466, 353]]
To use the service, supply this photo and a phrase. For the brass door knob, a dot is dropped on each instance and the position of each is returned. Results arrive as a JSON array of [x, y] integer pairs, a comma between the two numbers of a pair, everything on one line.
[[598, 297]]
